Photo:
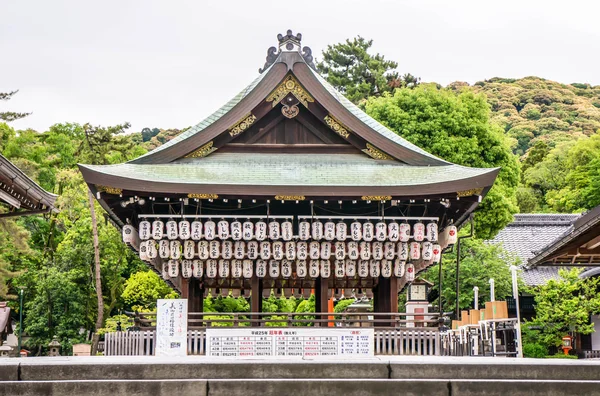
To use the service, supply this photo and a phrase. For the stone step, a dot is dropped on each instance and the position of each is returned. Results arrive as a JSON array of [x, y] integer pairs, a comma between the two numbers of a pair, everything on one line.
[[300, 387]]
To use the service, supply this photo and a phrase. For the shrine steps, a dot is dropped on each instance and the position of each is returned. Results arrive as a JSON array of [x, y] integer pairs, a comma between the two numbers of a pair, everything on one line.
[[118, 376]]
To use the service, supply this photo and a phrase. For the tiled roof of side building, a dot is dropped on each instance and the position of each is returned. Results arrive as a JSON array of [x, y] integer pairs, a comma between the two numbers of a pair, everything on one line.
[[529, 233]]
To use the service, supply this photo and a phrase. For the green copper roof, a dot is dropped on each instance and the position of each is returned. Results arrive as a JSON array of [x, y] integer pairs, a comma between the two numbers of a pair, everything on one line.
[[289, 170], [211, 118], [368, 120]]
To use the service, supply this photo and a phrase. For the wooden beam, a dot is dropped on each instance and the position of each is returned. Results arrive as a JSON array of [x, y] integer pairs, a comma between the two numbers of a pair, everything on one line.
[[256, 297], [266, 129], [594, 243], [320, 135]]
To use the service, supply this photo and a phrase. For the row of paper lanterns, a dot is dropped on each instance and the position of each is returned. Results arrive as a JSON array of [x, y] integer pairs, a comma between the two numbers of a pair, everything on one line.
[[290, 250], [317, 230], [238, 269]]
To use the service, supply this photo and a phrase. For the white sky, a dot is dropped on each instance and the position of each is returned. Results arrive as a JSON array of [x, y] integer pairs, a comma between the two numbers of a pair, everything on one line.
[[168, 64]]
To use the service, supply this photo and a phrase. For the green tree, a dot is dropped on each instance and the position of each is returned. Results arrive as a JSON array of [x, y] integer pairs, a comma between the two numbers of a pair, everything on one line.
[[143, 288], [9, 116], [456, 127], [479, 263], [564, 306], [357, 74]]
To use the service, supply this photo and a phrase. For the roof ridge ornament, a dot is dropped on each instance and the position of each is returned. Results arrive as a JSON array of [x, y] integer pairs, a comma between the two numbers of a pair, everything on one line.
[[288, 43]]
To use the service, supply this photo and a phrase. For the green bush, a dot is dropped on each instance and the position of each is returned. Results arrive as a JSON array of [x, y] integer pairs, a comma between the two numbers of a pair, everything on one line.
[[562, 356], [534, 350]]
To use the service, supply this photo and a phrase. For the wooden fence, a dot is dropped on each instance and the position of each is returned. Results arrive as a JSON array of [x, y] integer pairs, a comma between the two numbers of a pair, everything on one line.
[[402, 341]]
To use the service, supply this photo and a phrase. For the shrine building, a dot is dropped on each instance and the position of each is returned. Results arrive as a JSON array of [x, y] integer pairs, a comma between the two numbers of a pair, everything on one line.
[[289, 188]]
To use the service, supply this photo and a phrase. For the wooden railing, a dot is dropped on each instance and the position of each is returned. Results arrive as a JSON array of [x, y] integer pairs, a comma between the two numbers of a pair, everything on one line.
[[406, 341]]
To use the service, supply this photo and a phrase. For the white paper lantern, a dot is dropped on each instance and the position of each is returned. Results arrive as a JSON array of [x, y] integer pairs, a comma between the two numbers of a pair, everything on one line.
[[129, 234], [314, 250], [415, 250], [223, 268], [325, 269], [304, 230], [261, 268], [301, 268], [211, 268], [368, 231], [301, 250], [164, 250], [402, 251], [317, 230], [340, 250], [381, 231], [389, 250], [325, 250], [313, 268], [196, 230], [278, 250], [356, 231], [290, 250], [175, 249], [341, 231], [393, 232], [452, 235], [353, 250], [386, 268], [329, 231], [252, 247], [189, 249], [223, 229], [286, 268], [203, 250], [239, 250], [214, 249], [236, 268], [227, 250], [157, 229], [287, 230], [173, 268], [247, 268], [265, 250], [350, 268], [274, 230], [410, 272], [399, 266], [437, 253], [248, 230], [432, 232], [165, 270], [172, 230], [197, 268], [377, 250], [184, 230], [145, 230], [151, 249], [340, 268], [236, 230], [374, 268], [404, 232], [274, 269], [363, 268], [186, 269], [260, 230], [210, 230], [365, 250], [419, 232], [427, 251]]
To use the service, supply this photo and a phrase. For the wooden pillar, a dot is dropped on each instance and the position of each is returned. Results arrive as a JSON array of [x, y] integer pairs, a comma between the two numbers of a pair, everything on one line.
[[196, 296], [256, 297], [321, 298], [386, 299]]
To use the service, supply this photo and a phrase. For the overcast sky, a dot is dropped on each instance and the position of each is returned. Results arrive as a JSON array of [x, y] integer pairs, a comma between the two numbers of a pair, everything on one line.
[[168, 64]]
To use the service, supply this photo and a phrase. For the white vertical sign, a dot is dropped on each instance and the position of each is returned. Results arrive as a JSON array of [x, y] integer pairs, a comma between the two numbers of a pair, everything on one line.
[[171, 327]]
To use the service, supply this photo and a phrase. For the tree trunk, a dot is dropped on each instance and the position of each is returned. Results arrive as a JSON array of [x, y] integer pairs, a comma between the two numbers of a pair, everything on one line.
[[100, 320]]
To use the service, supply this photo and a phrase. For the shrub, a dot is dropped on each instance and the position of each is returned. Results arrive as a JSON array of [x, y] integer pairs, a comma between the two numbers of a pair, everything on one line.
[[562, 356], [534, 350]]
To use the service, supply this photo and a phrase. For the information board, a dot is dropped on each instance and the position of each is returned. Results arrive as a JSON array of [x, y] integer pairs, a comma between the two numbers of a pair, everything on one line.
[[301, 342], [171, 327]]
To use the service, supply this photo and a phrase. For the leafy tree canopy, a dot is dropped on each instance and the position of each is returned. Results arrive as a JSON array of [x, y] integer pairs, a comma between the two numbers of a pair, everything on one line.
[[456, 127]]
